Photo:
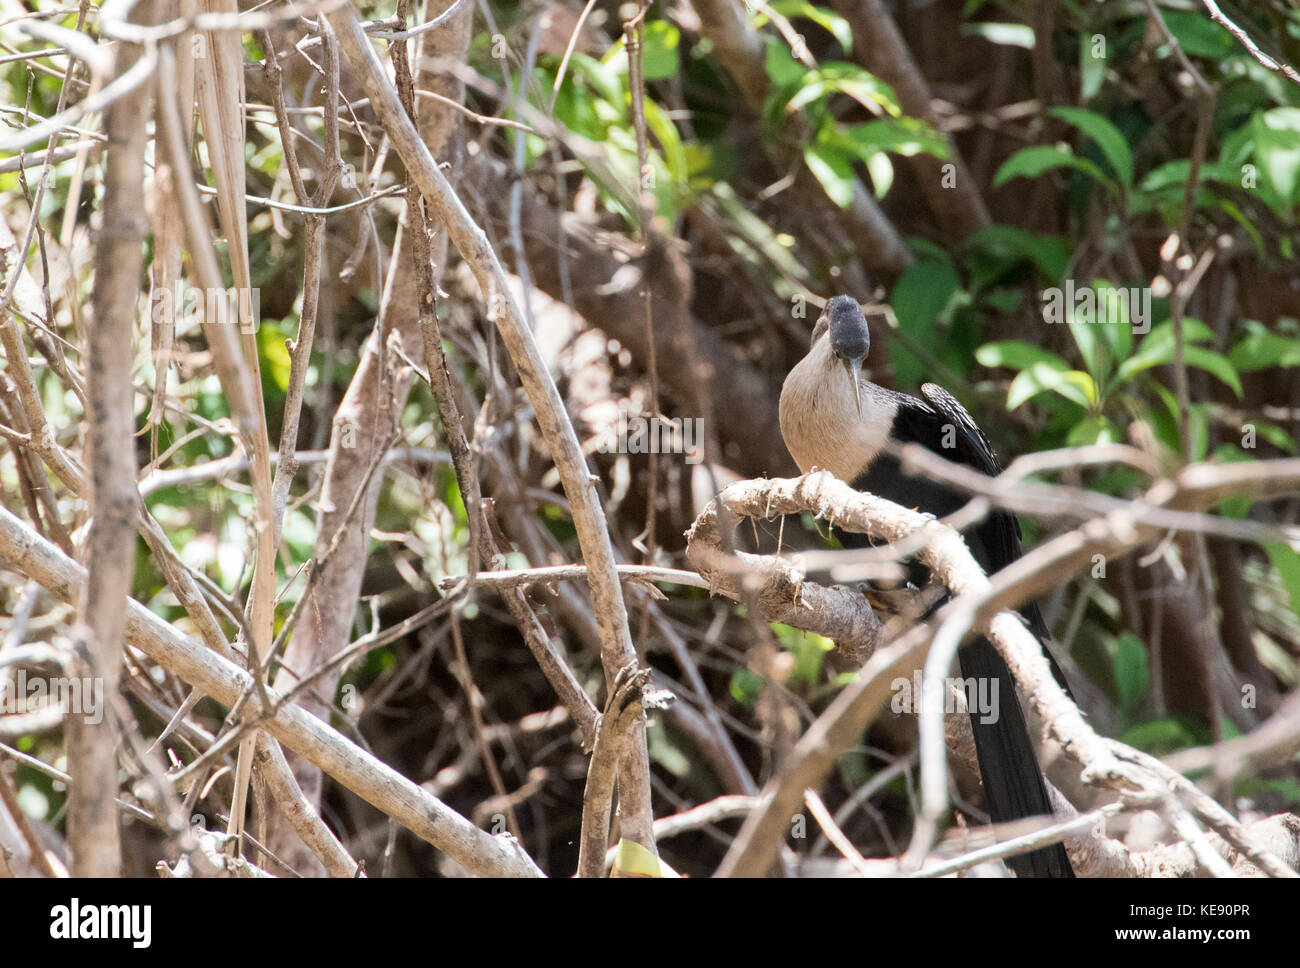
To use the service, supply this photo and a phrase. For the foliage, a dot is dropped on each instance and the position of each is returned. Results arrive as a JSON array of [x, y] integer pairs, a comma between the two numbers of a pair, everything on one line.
[[1057, 322]]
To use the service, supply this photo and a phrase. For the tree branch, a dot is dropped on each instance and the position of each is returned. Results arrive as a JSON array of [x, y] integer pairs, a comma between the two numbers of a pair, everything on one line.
[[579, 486], [379, 784]]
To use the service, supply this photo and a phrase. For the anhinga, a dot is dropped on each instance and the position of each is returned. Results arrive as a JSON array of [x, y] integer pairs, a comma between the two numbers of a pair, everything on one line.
[[833, 419]]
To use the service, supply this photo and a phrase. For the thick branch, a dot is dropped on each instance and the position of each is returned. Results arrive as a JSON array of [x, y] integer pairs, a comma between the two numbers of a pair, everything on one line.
[[1105, 763], [622, 711], [840, 613], [579, 486], [92, 749]]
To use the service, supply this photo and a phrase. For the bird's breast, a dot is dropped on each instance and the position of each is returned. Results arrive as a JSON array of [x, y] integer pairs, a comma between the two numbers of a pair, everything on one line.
[[820, 421]]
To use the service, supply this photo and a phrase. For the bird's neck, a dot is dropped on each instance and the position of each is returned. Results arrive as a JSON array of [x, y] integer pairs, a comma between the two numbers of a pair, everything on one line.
[[820, 420]]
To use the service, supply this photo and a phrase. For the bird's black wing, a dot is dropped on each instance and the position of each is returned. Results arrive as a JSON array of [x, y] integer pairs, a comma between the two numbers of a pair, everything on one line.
[[972, 446], [1000, 532], [943, 426], [995, 541]]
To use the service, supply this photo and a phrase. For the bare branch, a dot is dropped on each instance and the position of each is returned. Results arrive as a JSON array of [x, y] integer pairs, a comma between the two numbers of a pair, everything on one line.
[[588, 517], [92, 749], [1217, 15], [622, 711], [376, 782], [980, 606]]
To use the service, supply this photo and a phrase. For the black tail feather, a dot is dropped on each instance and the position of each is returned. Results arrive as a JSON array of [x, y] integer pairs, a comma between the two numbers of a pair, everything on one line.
[[1013, 782]]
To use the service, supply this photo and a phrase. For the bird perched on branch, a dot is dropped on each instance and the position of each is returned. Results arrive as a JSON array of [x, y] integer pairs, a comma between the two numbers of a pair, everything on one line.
[[833, 419]]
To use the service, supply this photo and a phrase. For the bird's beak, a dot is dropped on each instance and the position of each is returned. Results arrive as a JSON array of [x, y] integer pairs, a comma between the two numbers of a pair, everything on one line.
[[855, 376]]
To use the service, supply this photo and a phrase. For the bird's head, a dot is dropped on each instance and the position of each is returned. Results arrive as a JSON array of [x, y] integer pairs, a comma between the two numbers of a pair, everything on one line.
[[850, 339]]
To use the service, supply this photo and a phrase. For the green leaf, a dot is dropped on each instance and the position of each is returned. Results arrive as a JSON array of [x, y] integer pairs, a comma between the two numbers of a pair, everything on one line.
[[1198, 35], [707, 164], [1089, 344], [1132, 676], [604, 79], [922, 293], [660, 53], [1092, 69], [1048, 252], [633, 860], [1017, 354], [927, 251], [451, 496], [1157, 347], [1112, 143], [1198, 429], [1075, 385], [1262, 349], [1164, 418], [1174, 174], [1214, 363], [782, 69], [1118, 335], [836, 76], [1007, 35], [1034, 161], [868, 143], [665, 133], [1003, 301], [1277, 149], [746, 687], [1162, 736], [276, 362], [881, 170], [833, 169], [1273, 788], [1237, 147], [575, 108], [920, 297], [808, 649], [1093, 430], [902, 136], [1287, 562], [833, 23], [1275, 435]]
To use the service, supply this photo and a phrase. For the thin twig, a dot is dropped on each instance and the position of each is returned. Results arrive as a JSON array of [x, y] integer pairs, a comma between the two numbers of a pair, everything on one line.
[[515, 578], [1217, 15]]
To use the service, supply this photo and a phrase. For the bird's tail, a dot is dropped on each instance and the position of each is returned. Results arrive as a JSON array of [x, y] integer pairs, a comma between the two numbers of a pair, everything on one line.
[[1013, 782]]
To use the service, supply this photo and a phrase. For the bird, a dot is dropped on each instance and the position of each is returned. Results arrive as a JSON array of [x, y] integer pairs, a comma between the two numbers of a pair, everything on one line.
[[833, 419]]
